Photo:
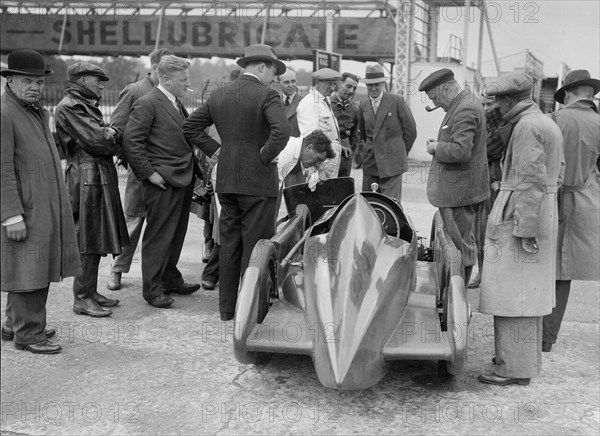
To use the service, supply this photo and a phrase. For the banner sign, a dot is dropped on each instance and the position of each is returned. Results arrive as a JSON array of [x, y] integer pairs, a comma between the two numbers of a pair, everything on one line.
[[364, 39]]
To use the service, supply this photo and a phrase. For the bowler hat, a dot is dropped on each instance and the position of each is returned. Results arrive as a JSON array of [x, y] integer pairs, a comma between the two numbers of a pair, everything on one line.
[[515, 84], [27, 63], [436, 78], [576, 78], [261, 53], [80, 69], [374, 74], [326, 74]]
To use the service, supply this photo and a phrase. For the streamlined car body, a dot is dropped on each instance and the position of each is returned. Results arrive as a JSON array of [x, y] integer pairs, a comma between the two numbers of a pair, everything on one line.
[[345, 281]]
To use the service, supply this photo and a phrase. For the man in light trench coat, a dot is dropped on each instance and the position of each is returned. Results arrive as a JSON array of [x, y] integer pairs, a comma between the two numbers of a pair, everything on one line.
[[517, 284], [579, 205]]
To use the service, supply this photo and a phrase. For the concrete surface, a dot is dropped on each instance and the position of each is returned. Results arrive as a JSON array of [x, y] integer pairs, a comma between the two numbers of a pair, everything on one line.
[[153, 371]]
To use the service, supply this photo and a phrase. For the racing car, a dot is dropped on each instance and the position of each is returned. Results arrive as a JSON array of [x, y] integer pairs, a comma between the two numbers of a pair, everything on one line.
[[345, 281]]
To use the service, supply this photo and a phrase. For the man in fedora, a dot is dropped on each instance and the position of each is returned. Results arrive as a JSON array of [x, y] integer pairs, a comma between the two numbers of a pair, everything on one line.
[[387, 131], [316, 113], [579, 205], [250, 119], [458, 177], [39, 244], [89, 144], [135, 214]]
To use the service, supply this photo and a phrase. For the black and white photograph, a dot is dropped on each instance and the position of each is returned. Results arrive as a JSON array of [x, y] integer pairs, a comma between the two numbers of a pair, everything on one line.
[[291, 218]]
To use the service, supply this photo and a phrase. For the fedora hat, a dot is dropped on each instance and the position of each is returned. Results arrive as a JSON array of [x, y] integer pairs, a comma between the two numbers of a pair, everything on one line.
[[26, 63], [374, 74], [576, 78], [261, 53]]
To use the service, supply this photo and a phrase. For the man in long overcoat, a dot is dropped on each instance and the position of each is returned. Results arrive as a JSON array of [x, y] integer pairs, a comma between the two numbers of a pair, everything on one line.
[[89, 144], [39, 244], [579, 208], [249, 117], [517, 285], [458, 179]]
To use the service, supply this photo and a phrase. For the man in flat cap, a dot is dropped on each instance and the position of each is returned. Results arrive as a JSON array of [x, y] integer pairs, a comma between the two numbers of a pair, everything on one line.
[[250, 119], [388, 131], [135, 213], [579, 208], [316, 113], [89, 144], [517, 284], [458, 179], [39, 244]]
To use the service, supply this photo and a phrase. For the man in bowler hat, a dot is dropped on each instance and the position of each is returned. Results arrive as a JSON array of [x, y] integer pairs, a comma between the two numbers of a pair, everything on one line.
[[250, 119], [36, 213]]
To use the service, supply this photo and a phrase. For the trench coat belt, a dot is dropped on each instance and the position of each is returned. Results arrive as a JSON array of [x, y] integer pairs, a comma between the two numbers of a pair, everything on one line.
[[582, 186], [504, 186]]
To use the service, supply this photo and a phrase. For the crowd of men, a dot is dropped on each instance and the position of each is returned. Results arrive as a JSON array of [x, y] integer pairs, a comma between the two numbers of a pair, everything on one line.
[[503, 175]]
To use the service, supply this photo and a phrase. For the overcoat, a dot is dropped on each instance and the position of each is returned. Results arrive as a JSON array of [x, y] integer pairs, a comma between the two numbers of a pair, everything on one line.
[[90, 174], [388, 136], [516, 283], [459, 175], [33, 186], [579, 208]]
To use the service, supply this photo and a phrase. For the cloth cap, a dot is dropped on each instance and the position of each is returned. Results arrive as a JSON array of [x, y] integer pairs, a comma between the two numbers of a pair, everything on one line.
[[261, 52], [374, 74], [326, 74], [517, 84], [436, 78], [576, 78], [27, 63], [79, 69]]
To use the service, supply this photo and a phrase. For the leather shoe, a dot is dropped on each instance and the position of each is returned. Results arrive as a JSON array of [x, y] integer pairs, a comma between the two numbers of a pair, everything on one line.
[[208, 285], [44, 347], [114, 281], [161, 301], [103, 301], [475, 282], [494, 379], [9, 335], [89, 306], [226, 316], [185, 289], [546, 347]]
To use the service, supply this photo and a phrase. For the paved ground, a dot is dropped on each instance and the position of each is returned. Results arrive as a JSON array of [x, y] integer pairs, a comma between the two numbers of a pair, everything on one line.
[[150, 371]]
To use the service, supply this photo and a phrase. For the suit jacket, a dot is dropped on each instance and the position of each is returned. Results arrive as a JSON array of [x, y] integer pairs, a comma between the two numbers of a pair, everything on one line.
[[459, 170], [291, 115], [154, 141], [251, 122], [393, 132]]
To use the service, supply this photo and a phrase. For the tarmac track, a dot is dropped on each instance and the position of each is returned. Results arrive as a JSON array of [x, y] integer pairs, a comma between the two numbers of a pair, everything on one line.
[[150, 371]]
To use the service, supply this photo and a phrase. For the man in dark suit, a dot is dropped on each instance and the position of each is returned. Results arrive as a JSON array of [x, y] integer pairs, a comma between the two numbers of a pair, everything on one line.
[[162, 159], [388, 131], [251, 122], [458, 178], [133, 207], [290, 98]]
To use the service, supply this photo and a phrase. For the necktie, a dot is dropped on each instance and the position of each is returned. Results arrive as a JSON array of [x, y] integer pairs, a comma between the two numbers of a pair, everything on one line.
[[375, 104], [287, 101], [181, 108]]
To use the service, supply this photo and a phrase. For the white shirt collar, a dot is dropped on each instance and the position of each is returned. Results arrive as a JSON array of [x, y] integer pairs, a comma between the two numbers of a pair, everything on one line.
[[378, 99], [168, 94], [253, 75], [291, 97]]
